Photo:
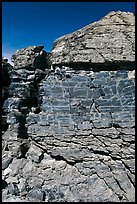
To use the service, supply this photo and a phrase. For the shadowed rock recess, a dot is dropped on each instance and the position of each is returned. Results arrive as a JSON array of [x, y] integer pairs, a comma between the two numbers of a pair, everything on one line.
[[69, 117]]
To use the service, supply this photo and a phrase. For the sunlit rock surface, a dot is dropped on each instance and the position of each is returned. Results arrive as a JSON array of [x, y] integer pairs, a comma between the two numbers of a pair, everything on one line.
[[109, 41]]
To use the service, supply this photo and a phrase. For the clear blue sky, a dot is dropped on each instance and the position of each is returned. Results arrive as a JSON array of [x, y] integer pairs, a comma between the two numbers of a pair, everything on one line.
[[41, 23]]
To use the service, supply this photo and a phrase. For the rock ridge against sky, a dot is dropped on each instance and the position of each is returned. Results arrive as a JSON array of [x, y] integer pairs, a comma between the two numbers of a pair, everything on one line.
[[111, 39]]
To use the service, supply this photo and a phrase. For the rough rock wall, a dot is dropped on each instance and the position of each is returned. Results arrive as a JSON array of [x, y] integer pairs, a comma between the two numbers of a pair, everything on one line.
[[87, 120], [71, 131]]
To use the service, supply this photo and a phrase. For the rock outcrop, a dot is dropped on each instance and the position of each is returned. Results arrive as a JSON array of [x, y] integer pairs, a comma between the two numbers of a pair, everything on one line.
[[109, 42], [70, 134], [30, 58]]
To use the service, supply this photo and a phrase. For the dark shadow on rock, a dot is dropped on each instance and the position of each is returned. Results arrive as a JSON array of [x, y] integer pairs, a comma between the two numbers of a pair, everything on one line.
[[4, 184]]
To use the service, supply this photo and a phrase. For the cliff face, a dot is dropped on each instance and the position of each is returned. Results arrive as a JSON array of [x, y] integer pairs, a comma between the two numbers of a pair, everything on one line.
[[71, 117]]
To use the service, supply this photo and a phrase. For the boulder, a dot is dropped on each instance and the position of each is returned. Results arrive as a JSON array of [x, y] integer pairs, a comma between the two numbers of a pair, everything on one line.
[[37, 194], [31, 58]]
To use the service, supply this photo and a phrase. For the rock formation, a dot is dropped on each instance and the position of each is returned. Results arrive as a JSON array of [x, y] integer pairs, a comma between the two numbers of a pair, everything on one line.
[[108, 42], [6, 70], [70, 117]]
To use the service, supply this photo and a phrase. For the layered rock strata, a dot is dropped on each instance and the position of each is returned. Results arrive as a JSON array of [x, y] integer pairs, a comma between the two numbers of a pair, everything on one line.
[[71, 133]]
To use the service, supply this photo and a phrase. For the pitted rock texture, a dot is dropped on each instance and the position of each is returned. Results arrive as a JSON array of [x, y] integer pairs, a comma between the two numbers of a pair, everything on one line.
[[71, 129], [110, 41]]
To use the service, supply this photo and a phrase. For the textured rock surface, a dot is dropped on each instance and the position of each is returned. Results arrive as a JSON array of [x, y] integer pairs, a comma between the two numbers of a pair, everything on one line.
[[110, 41], [88, 122], [71, 130], [30, 67], [33, 57], [6, 80]]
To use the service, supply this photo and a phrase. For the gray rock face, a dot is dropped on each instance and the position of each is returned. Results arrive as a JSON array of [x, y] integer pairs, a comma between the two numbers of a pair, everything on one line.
[[110, 40], [87, 121], [71, 129]]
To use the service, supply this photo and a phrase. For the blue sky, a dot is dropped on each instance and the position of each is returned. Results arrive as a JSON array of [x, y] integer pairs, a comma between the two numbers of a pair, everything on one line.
[[41, 23]]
